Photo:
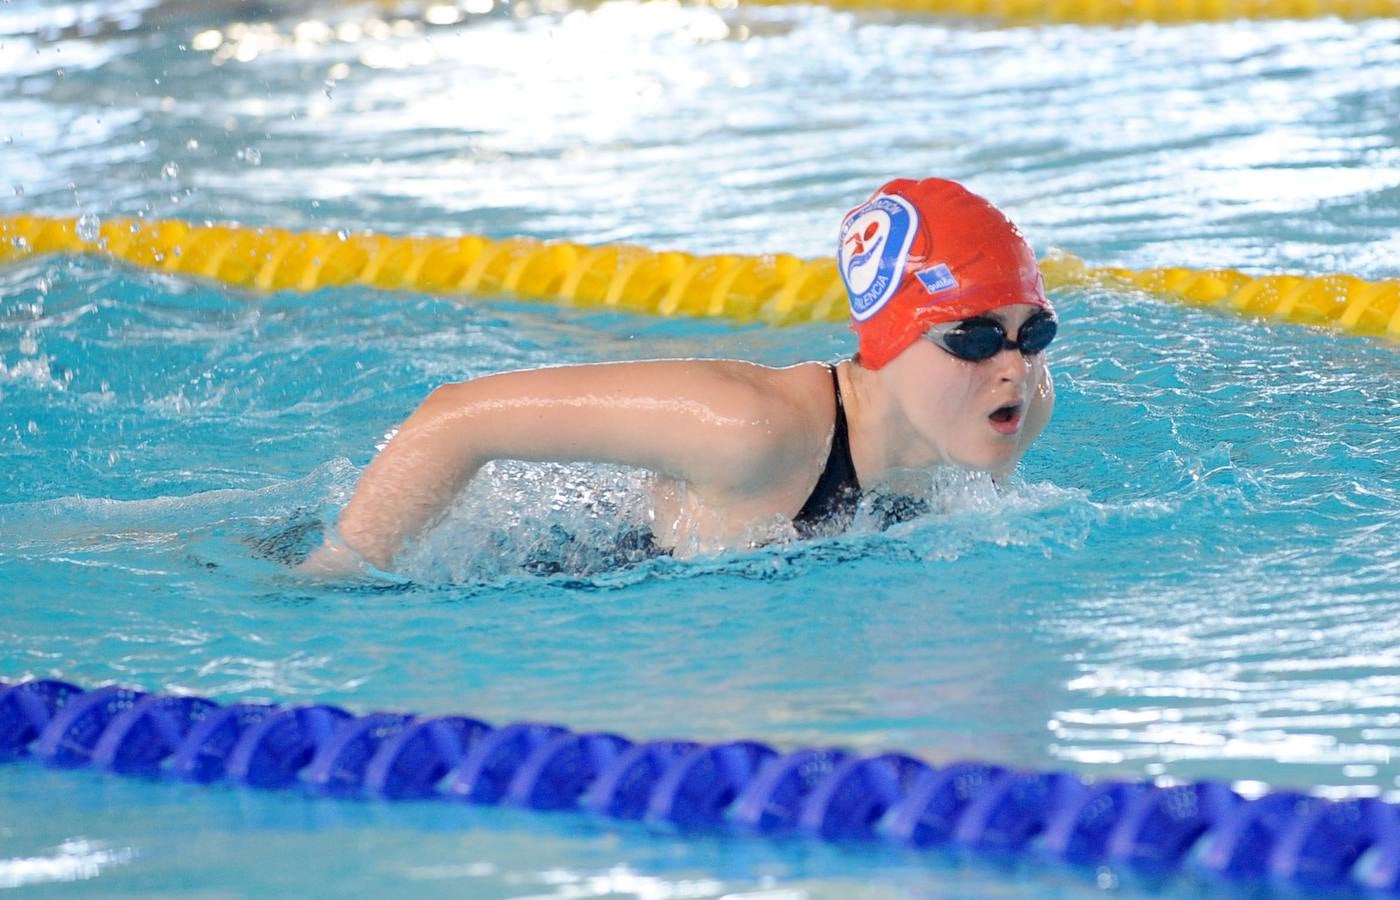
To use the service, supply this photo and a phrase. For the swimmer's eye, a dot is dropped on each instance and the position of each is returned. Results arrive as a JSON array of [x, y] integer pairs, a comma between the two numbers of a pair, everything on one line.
[[981, 337]]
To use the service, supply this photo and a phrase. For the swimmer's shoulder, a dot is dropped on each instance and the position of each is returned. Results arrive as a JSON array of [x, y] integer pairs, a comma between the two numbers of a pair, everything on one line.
[[783, 417], [765, 419], [778, 399]]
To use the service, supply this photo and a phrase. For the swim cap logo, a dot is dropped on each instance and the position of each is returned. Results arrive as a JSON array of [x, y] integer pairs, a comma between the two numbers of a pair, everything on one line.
[[875, 239], [937, 279]]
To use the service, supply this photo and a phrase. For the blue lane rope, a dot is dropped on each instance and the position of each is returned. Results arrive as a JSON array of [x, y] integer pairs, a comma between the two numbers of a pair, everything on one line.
[[742, 786]]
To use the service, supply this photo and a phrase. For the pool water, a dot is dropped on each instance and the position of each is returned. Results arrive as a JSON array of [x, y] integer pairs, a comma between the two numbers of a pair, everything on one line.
[[1196, 573]]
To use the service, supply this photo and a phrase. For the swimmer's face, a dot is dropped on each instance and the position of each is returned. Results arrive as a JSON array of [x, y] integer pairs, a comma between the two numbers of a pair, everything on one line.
[[970, 414]]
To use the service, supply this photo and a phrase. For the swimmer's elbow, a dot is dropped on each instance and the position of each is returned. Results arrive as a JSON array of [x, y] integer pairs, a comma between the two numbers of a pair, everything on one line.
[[445, 400], [442, 428]]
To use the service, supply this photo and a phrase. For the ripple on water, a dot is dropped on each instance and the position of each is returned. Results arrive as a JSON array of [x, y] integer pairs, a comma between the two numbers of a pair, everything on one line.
[[1195, 575]]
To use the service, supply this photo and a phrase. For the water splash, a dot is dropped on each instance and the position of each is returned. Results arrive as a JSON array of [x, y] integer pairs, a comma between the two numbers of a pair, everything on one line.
[[89, 228]]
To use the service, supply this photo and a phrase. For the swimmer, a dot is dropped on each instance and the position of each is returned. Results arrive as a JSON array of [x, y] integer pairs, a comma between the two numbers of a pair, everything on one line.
[[952, 321]]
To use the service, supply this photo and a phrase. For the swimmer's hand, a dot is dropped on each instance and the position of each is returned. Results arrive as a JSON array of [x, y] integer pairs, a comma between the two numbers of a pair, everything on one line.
[[332, 560]]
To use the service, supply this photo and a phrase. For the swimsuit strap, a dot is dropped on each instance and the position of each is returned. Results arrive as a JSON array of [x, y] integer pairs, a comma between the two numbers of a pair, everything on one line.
[[837, 488]]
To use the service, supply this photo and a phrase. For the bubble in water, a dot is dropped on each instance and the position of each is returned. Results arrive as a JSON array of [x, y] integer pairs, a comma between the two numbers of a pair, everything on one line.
[[20, 243], [170, 171], [28, 346], [192, 144], [250, 155], [19, 190], [89, 228], [33, 427], [343, 234]]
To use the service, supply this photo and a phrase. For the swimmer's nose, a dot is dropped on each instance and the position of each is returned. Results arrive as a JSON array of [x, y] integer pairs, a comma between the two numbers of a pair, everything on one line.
[[1011, 365]]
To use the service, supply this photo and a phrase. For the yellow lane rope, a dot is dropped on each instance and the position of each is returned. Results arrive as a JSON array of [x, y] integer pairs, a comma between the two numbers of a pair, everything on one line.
[[776, 289], [1115, 12]]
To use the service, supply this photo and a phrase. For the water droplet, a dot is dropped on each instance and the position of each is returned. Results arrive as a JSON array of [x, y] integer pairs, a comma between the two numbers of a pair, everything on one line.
[[251, 155], [192, 144], [20, 243], [343, 234], [89, 228], [32, 427], [19, 190], [328, 88], [170, 171], [27, 345]]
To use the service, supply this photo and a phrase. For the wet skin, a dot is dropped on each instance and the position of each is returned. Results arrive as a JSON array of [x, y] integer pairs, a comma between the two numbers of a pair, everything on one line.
[[736, 447]]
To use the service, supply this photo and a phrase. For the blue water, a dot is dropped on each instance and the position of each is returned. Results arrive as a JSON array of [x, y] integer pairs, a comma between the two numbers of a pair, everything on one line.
[[1196, 574]]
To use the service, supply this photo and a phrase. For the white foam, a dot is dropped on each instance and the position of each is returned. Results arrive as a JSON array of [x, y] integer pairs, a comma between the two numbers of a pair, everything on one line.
[[75, 860]]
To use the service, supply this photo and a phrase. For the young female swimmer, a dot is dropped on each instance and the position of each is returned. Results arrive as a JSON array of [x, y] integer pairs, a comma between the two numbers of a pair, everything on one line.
[[951, 317]]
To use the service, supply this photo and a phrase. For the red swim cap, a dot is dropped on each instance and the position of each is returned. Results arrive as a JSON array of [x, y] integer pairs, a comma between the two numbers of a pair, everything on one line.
[[922, 252]]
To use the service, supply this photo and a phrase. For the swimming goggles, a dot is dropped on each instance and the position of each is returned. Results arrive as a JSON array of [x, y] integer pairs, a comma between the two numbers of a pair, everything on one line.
[[983, 337]]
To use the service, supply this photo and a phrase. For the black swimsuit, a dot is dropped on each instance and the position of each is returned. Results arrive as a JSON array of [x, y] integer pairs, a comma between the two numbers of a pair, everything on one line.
[[832, 505]]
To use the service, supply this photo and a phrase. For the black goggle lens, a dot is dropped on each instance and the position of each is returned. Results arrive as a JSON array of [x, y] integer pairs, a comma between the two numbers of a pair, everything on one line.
[[982, 338], [1037, 333]]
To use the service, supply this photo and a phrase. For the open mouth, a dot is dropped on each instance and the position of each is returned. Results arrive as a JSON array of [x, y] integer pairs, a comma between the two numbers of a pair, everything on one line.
[[1007, 418]]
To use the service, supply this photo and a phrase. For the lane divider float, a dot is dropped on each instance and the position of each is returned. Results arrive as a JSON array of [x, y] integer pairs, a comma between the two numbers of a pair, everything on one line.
[[742, 787], [1118, 12], [775, 289]]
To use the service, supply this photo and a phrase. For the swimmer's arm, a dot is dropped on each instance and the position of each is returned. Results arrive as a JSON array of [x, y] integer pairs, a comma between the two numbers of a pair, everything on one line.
[[674, 418]]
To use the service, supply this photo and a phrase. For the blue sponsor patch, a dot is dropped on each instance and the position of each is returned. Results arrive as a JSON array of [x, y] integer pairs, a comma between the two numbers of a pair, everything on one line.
[[875, 239], [937, 279]]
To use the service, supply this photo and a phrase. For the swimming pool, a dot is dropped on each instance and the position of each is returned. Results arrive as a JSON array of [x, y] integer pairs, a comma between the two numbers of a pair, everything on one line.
[[1196, 576]]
